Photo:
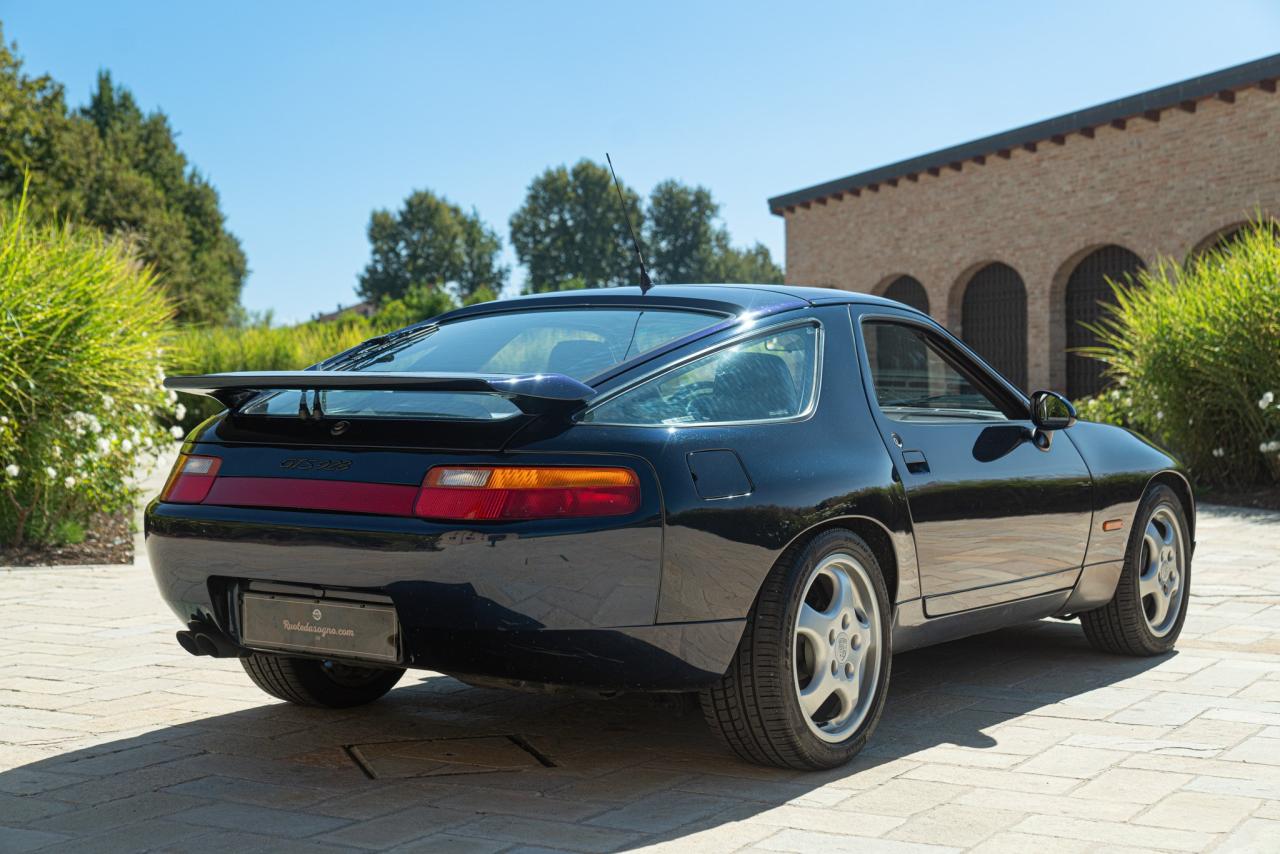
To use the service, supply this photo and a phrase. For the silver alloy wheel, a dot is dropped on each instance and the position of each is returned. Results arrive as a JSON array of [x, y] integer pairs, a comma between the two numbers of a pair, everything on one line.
[[837, 647], [1160, 577]]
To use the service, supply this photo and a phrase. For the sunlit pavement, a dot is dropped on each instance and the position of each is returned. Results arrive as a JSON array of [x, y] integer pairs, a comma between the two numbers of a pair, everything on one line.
[[113, 738]]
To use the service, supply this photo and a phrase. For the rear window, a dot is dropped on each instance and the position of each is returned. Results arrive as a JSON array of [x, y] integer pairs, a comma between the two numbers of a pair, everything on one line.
[[576, 342], [579, 343]]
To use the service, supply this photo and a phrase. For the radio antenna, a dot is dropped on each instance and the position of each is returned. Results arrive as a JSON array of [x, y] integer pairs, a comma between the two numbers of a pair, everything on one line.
[[645, 281]]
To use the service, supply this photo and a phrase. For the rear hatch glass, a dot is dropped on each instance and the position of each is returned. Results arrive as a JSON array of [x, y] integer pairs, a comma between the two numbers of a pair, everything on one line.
[[580, 343]]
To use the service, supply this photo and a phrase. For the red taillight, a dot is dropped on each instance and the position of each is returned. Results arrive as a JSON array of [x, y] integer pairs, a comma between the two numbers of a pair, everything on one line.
[[191, 479], [496, 493]]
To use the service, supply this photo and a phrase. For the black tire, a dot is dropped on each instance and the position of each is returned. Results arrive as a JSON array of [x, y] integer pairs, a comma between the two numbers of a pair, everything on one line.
[[754, 707], [313, 682], [1121, 626]]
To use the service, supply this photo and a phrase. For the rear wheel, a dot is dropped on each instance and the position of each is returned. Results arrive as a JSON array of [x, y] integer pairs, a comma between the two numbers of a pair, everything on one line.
[[1145, 615], [808, 682], [316, 682]]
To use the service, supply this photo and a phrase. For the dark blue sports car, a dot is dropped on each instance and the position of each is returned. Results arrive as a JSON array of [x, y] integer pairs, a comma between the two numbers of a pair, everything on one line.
[[756, 493]]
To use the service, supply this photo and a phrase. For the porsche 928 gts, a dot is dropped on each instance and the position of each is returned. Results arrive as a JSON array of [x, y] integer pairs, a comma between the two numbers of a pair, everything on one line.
[[753, 493]]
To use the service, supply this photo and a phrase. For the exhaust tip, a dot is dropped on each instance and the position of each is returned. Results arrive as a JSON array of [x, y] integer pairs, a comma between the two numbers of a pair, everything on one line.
[[206, 645], [187, 641]]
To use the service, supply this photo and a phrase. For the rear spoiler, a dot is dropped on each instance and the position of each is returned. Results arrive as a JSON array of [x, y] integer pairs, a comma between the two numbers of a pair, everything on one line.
[[534, 394]]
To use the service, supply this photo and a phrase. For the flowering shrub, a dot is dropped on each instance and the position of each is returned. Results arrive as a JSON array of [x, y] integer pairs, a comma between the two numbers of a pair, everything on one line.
[[1270, 448], [1112, 406], [1194, 350], [81, 407]]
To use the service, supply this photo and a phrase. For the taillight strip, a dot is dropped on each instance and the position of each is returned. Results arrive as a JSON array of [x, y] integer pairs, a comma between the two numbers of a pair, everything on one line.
[[448, 493], [340, 496]]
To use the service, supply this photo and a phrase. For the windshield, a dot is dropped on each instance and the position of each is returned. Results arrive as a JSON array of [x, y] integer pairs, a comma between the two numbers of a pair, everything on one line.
[[580, 343]]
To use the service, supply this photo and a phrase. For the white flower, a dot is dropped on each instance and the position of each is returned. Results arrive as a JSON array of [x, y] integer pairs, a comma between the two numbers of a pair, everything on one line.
[[1267, 399], [126, 446], [137, 407], [1160, 415], [180, 412], [1219, 453], [4, 419], [103, 446], [57, 452], [68, 481], [51, 471], [176, 431], [12, 470], [109, 401]]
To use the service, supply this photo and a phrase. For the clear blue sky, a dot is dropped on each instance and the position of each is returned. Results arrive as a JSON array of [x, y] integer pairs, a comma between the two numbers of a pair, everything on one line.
[[306, 116]]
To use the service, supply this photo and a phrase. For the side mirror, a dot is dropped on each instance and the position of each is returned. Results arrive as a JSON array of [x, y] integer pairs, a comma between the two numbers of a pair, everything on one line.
[[1051, 411]]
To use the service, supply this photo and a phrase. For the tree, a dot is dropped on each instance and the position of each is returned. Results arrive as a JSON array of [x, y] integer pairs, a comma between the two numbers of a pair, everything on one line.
[[681, 233], [754, 265], [571, 230], [687, 245], [433, 243], [418, 302], [111, 166]]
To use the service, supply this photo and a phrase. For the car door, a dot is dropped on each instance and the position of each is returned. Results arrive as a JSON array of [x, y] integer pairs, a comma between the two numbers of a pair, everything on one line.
[[999, 512]]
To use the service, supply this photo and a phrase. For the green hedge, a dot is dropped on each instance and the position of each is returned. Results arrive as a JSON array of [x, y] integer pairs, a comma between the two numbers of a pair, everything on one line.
[[198, 350], [1194, 350], [81, 407], [262, 347]]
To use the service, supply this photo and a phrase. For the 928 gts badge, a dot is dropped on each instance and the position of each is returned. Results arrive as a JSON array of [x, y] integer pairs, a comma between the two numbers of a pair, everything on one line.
[[303, 464]]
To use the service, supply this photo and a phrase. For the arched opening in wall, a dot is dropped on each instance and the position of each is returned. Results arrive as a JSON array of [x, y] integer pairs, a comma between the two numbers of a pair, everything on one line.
[[1088, 293], [1224, 239], [908, 290], [993, 320]]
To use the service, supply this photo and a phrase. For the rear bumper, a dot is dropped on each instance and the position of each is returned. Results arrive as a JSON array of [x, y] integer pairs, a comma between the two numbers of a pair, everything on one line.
[[574, 605]]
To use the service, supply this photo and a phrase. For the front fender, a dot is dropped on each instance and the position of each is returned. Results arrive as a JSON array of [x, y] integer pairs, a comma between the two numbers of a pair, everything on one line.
[[1123, 466]]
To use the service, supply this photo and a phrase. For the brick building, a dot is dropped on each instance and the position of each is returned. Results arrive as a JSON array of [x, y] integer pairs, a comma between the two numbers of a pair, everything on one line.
[[1009, 240]]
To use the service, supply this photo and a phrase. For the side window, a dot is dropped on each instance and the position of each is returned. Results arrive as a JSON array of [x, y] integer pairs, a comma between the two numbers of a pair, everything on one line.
[[915, 381], [761, 379]]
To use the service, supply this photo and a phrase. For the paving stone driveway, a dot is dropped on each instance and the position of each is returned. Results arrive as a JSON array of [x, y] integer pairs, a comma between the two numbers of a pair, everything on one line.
[[112, 738]]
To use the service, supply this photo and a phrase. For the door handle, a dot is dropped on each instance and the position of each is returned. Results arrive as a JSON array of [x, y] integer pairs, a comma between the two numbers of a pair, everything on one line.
[[915, 462]]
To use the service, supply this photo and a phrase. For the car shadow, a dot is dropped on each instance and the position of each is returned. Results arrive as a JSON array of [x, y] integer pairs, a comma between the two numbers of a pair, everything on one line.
[[583, 774]]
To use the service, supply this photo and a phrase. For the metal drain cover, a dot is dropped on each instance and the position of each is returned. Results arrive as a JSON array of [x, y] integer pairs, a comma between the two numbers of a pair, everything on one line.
[[435, 757]]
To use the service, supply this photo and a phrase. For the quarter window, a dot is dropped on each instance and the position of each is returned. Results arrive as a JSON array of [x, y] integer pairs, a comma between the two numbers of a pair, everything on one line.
[[915, 380], [767, 378]]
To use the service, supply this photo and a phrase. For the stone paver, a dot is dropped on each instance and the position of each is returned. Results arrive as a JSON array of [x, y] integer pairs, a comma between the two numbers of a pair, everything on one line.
[[112, 738]]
